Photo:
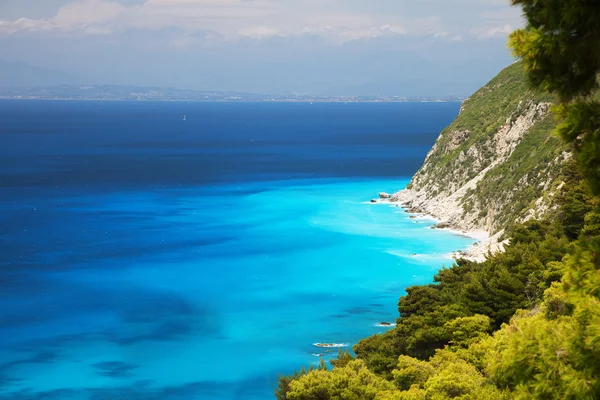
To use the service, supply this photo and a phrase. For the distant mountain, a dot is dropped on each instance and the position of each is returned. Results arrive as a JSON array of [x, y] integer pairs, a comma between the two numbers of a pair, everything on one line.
[[19, 74]]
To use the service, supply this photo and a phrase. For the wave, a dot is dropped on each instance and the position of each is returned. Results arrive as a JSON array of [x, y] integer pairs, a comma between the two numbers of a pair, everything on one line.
[[422, 257]]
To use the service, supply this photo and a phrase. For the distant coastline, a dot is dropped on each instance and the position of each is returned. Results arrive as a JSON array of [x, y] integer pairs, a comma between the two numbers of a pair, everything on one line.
[[132, 93], [227, 101]]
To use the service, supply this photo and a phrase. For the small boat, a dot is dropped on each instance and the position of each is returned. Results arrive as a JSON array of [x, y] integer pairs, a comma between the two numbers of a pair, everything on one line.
[[184, 117]]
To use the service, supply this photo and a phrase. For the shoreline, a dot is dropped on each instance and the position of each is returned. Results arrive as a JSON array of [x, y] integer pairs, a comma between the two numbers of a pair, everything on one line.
[[477, 252]]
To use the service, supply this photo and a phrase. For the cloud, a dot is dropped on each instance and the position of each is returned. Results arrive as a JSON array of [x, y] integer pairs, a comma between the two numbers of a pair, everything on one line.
[[88, 16], [495, 31], [89, 12], [25, 25], [330, 33], [260, 32], [336, 21]]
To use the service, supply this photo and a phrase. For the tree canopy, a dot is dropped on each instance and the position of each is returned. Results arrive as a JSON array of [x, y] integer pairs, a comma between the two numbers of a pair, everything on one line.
[[560, 49]]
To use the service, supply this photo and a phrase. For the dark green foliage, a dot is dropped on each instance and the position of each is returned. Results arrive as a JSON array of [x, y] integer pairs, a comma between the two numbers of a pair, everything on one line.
[[560, 49], [343, 359], [420, 334], [283, 384], [419, 300], [580, 126], [560, 45], [574, 201], [494, 289], [591, 226], [380, 353], [467, 330]]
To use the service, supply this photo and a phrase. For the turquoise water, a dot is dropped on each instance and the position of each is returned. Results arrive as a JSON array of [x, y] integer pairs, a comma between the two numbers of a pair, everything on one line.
[[137, 285], [309, 264]]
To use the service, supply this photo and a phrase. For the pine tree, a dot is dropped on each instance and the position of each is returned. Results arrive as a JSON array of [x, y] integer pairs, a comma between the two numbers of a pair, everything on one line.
[[560, 48]]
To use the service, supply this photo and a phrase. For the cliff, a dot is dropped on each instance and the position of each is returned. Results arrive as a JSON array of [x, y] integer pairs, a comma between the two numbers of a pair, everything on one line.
[[496, 164]]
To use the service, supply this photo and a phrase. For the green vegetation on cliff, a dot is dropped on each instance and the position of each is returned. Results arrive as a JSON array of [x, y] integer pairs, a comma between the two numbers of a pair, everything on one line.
[[502, 150], [524, 324], [489, 108], [534, 167], [505, 148]]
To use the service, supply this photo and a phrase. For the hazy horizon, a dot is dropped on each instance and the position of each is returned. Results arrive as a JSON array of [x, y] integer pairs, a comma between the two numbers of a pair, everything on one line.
[[326, 47]]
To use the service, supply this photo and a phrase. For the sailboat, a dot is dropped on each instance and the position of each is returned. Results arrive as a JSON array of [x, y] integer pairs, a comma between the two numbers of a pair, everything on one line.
[[184, 117]]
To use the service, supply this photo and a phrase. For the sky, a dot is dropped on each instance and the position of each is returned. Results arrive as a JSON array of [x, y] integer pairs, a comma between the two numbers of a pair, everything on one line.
[[317, 47]]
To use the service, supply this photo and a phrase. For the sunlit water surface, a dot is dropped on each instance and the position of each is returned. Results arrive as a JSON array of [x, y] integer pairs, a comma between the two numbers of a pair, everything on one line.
[[147, 257]]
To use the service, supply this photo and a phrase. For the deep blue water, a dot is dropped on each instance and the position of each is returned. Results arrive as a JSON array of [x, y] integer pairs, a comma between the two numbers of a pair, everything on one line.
[[147, 257]]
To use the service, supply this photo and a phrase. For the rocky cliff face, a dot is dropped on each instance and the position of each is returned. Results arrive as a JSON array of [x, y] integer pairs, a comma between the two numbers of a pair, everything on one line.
[[496, 164]]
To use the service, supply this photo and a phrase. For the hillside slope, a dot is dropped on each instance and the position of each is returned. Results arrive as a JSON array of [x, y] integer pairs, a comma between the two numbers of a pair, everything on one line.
[[496, 164]]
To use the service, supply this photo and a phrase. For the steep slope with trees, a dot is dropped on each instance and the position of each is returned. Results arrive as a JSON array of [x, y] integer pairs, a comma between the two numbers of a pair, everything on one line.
[[457, 339], [497, 163]]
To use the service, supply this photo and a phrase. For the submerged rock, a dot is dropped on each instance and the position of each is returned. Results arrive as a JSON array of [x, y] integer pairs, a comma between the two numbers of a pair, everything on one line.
[[330, 345], [385, 325], [373, 201]]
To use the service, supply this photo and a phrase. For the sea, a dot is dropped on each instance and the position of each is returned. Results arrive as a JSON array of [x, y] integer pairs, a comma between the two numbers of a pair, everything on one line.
[[144, 256]]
